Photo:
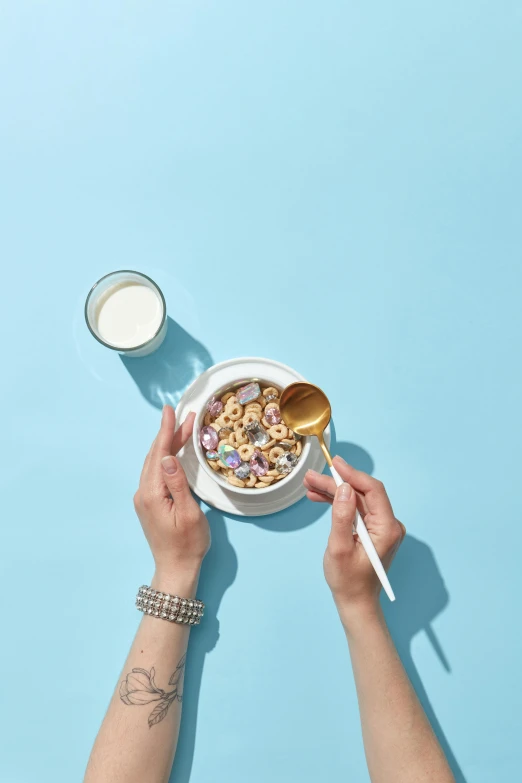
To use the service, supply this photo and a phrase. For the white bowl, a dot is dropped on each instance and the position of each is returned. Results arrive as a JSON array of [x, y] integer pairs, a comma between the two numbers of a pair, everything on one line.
[[200, 453], [202, 479]]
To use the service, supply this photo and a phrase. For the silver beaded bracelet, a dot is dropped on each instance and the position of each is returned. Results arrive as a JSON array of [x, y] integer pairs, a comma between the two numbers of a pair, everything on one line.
[[169, 607]]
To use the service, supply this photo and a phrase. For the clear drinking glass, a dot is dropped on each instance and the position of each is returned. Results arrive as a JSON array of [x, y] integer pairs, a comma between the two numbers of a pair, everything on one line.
[[112, 285]]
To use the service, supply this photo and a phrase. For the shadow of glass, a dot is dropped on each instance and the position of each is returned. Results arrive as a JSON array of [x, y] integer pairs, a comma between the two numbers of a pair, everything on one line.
[[421, 595], [163, 376], [217, 574]]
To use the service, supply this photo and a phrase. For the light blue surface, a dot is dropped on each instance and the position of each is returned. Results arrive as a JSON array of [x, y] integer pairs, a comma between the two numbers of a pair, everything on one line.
[[360, 165]]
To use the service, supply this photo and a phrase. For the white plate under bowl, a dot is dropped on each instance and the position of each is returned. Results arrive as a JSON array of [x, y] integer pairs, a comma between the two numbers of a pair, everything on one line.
[[197, 395]]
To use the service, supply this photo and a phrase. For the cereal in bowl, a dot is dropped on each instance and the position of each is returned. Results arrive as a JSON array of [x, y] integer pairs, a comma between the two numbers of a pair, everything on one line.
[[245, 439]]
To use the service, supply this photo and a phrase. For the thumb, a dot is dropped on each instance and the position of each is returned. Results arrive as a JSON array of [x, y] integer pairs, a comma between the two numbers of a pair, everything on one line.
[[343, 510], [176, 481]]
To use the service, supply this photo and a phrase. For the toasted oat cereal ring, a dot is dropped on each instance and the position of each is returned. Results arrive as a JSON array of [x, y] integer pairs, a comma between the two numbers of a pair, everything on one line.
[[278, 431], [275, 453], [266, 479], [215, 426], [233, 441], [281, 476], [257, 409], [268, 446], [235, 481], [251, 480], [207, 420], [297, 449], [265, 424], [231, 401], [234, 411], [274, 472], [225, 398], [245, 452], [213, 464], [224, 420], [238, 425], [270, 390], [260, 485], [240, 437], [248, 418]]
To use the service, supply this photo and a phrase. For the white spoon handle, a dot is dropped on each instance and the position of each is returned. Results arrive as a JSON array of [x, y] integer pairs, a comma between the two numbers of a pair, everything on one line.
[[366, 541]]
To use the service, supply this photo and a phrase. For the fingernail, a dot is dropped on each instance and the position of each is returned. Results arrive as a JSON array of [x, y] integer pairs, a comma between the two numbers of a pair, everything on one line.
[[169, 465], [312, 472], [345, 493], [340, 459]]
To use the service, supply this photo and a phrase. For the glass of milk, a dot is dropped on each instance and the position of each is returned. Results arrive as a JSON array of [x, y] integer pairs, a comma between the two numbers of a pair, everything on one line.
[[126, 311]]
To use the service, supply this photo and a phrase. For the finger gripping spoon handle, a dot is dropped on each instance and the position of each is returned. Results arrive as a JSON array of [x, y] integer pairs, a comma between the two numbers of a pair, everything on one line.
[[366, 541]]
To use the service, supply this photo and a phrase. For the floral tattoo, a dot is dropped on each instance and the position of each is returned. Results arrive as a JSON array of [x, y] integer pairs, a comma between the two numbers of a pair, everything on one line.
[[139, 687]]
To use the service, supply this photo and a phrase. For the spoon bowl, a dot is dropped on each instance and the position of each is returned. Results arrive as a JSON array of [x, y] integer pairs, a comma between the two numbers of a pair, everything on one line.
[[306, 410]]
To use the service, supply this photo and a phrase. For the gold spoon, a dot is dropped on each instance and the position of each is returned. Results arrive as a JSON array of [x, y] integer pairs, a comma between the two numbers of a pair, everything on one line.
[[306, 409]]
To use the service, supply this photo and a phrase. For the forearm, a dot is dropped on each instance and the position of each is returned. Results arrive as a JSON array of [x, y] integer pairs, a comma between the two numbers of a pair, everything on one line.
[[399, 742], [138, 737]]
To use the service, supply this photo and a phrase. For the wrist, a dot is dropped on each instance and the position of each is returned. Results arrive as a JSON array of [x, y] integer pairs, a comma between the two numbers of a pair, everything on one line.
[[358, 617], [177, 581]]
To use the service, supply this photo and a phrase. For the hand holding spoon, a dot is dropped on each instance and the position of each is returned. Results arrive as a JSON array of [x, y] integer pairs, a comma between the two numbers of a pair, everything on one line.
[[306, 409]]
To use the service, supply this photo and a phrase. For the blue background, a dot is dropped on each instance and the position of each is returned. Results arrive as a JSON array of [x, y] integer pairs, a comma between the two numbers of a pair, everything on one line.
[[333, 185]]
